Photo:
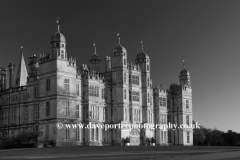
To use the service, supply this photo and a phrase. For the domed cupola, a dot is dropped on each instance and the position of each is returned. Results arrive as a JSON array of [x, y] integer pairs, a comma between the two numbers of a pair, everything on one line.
[[58, 43], [119, 49], [58, 37], [184, 72], [142, 56], [184, 77], [95, 60]]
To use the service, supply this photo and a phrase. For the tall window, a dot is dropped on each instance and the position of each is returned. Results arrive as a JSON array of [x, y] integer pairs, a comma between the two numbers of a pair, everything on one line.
[[14, 115], [102, 93], [135, 96], [5, 116], [187, 104], [77, 111], [92, 134], [47, 108], [25, 114], [169, 137], [125, 94], [67, 134], [124, 61], [93, 91], [36, 112], [77, 133], [96, 134], [66, 84], [36, 91], [147, 67], [103, 114], [67, 108], [148, 82], [96, 91], [164, 102], [188, 137], [125, 77], [148, 116], [2, 117], [94, 112], [125, 114], [148, 98], [187, 120], [77, 89], [48, 84], [134, 79], [160, 101]]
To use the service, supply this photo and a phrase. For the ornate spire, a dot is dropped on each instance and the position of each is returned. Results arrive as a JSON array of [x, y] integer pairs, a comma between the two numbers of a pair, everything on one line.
[[58, 24], [118, 37], [184, 63], [22, 74], [95, 50]]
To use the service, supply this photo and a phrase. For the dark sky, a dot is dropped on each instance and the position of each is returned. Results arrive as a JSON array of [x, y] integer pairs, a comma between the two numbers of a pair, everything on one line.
[[205, 33]]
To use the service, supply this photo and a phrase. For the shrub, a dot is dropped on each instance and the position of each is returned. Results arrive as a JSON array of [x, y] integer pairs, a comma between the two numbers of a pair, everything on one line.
[[25, 139], [127, 140], [153, 140]]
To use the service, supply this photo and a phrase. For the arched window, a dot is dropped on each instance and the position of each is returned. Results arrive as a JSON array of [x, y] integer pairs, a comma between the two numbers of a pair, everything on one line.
[[125, 77], [187, 104], [187, 120], [148, 98], [47, 108], [125, 94]]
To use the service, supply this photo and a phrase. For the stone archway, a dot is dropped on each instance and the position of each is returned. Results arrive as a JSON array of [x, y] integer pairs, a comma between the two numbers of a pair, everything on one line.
[[134, 137]]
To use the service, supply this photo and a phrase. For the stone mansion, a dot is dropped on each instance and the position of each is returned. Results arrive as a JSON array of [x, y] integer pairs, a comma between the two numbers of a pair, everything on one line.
[[53, 89]]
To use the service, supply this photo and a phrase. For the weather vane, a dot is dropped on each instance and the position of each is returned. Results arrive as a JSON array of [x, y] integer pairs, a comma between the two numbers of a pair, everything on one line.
[[94, 45], [58, 24], [21, 49], [142, 43], [118, 37]]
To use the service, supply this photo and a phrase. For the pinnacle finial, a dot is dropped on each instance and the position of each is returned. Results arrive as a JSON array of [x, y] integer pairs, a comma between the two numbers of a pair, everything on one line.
[[183, 63], [94, 45], [58, 24], [118, 37]]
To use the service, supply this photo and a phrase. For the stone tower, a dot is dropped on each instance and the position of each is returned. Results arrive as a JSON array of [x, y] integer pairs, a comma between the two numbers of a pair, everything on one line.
[[143, 61], [95, 61], [180, 110]]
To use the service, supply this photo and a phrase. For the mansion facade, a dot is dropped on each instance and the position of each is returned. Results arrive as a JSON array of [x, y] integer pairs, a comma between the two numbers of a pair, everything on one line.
[[54, 89]]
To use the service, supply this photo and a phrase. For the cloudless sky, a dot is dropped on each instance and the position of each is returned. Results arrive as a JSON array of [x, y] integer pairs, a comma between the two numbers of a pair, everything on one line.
[[205, 33]]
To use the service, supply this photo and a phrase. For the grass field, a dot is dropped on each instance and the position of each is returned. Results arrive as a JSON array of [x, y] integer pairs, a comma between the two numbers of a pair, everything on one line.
[[126, 152]]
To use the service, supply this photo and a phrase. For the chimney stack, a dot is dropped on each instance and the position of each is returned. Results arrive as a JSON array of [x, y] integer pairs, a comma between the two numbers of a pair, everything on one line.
[[3, 78], [11, 74]]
